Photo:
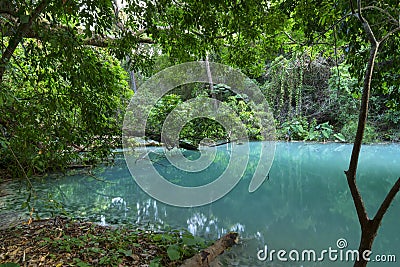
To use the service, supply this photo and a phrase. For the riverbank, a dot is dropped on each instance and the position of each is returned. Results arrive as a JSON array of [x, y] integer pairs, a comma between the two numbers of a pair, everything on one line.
[[63, 242]]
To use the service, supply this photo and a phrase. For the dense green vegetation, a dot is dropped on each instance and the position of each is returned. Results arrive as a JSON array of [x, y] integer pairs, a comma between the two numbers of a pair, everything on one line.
[[312, 100], [63, 88], [53, 108], [68, 68], [200, 128]]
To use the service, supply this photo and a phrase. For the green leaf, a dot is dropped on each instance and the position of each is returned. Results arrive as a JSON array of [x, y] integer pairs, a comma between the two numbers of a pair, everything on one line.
[[157, 237], [127, 253], [155, 262], [23, 206], [325, 134], [199, 240], [81, 263], [189, 241], [9, 264], [24, 18], [173, 253], [340, 137]]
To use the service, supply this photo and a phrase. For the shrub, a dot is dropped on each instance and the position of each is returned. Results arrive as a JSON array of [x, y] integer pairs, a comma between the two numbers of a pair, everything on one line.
[[350, 128]]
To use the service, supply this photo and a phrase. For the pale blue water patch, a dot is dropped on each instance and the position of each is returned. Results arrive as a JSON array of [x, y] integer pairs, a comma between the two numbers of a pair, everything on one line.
[[305, 203]]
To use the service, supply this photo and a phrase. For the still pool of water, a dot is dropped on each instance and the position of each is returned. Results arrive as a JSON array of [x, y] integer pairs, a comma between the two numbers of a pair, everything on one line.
[[304, 205]]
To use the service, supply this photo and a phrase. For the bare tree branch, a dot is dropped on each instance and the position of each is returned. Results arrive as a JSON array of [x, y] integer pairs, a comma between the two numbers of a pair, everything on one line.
[[7, 8], [358, 14], [386, 203], [353, 12], [107, 41], [291, 38], [95, 40], [388, 15], [206, 256], [388, 34]]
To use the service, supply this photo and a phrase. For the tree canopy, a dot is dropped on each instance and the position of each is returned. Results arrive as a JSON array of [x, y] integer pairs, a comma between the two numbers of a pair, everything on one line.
[[62, 56], [63, 90]]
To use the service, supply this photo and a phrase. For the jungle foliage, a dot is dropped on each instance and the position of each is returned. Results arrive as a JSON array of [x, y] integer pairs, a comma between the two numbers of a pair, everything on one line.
[[56, 107], [198, 129], [63, 91]]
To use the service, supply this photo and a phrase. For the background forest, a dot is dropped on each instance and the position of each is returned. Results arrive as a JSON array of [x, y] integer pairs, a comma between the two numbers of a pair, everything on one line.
[[69, 68], [329, 70]]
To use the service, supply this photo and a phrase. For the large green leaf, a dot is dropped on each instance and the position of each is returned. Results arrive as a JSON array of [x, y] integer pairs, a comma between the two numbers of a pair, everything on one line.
[[173, 252]]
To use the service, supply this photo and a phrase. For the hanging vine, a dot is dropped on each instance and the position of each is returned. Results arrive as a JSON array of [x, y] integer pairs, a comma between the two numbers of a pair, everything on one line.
[[290, 85], [284, 86], [281, 87], [299, 85]]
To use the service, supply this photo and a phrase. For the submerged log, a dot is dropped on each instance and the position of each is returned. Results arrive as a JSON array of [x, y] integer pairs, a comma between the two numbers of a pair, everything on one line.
[[170, 144], [188, 146], [206, 256], [224, 143]]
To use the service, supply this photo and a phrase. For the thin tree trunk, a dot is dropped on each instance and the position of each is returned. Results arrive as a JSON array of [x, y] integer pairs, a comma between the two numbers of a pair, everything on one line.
[[210, 82], [369, 227], [133, 80], [132, 77], [362, 120], [16, 39], [367, 234]]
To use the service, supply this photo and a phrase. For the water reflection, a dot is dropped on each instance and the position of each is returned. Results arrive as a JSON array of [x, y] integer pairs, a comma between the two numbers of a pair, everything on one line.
[[304, 204]]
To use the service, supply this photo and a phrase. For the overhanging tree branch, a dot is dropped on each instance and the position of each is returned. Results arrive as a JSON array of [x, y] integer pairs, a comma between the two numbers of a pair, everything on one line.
[[7, 8], [100, 41], [95, 40], [389, 34], [383, 11], [358, 14], [21, 31]]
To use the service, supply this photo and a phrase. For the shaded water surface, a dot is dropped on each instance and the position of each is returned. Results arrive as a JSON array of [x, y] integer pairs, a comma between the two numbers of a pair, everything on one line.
[[304, 205]]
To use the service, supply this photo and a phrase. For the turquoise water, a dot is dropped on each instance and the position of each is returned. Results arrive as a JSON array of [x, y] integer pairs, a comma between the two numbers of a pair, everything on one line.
[[305, 203]]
